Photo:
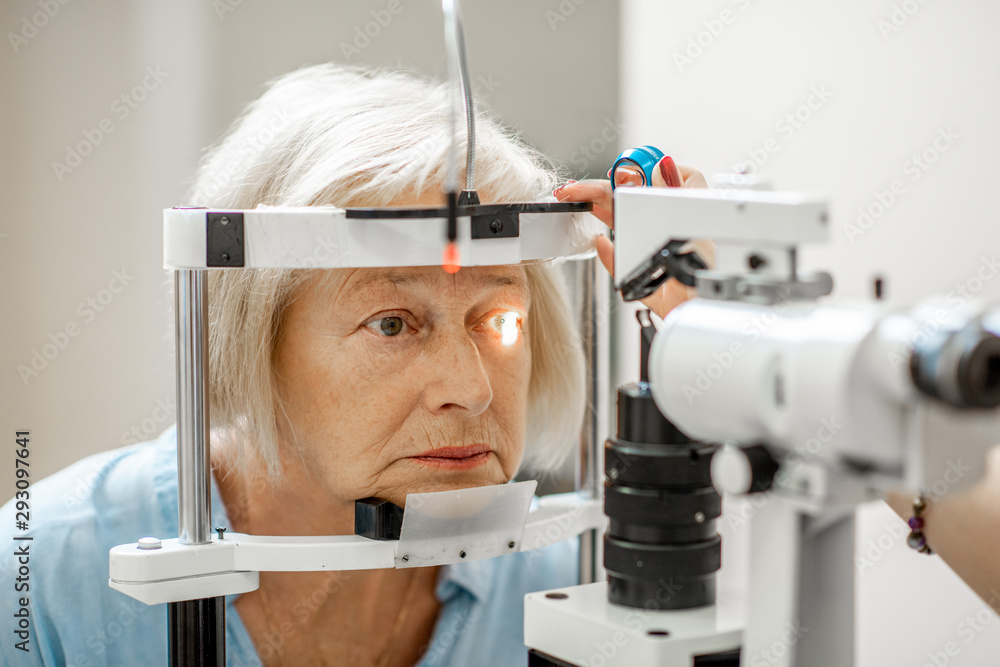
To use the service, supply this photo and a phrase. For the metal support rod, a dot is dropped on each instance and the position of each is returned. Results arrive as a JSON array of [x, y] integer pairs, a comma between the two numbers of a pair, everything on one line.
[[594, 293], [194, 485], [196, 628]]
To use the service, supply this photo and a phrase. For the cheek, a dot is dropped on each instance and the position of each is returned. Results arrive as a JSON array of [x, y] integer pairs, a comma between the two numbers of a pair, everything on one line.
[[341, 398], [510, 378]]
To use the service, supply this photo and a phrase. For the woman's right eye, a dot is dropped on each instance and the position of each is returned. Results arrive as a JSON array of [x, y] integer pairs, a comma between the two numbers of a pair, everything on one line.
[[387, 326]]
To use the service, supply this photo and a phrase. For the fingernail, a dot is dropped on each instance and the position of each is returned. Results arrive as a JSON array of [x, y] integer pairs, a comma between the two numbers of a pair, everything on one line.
[[555, 193], [668, 170]]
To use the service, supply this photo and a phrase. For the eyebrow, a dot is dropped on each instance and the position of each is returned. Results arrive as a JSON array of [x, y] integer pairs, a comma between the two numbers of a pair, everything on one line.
[[489, 280]]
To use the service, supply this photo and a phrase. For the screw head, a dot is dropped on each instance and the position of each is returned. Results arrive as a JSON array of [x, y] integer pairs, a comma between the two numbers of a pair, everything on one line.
[[223, 220], [496, 226], [699, 517], [510, 545], [556, 596], [461, 554], [405, 558], [225, 257]]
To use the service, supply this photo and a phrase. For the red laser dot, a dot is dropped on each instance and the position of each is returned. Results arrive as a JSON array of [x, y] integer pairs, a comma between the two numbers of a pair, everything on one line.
[[449, 260]]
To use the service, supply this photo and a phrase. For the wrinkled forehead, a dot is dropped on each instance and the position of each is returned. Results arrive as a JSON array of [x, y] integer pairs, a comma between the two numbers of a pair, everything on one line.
[[469, 282]]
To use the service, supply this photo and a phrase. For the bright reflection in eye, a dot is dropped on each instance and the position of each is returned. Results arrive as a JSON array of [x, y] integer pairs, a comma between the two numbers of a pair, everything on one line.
[[507, 324]]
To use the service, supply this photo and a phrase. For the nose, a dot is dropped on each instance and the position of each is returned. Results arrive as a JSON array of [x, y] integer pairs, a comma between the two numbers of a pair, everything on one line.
[[457, 380]]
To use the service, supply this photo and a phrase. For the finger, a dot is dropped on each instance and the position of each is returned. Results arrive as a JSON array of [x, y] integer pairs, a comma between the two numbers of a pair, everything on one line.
[[670, 295], [606, 253], [665, 174], [692, 177], [598, 192]]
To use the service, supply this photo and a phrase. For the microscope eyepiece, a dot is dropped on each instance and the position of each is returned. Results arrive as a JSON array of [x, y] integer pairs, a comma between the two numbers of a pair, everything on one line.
[[960, 367]]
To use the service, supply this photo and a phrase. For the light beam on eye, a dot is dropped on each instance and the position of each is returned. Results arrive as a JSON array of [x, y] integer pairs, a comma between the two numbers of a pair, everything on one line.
[[508, 328]]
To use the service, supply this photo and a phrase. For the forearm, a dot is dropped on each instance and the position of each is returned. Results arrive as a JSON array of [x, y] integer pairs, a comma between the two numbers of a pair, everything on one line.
[[965, 531]]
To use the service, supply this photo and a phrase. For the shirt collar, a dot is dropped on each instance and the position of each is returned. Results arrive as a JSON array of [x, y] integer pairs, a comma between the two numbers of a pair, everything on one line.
[[473, 577]]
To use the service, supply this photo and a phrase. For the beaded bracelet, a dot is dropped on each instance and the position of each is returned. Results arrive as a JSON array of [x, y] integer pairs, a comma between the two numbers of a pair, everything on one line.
[[916, 539]]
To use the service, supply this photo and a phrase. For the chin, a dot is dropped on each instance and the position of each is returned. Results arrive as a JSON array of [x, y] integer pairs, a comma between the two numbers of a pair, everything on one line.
[[430, 479]]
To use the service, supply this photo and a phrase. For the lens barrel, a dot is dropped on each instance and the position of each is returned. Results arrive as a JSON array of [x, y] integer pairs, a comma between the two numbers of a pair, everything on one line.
[[661, 550]]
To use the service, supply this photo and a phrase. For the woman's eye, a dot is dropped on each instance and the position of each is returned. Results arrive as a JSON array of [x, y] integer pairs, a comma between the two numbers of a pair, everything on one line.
[[508, 325], [387, 326]]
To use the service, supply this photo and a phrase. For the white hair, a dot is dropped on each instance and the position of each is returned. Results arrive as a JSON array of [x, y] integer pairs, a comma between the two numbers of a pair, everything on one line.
[[346, 136]]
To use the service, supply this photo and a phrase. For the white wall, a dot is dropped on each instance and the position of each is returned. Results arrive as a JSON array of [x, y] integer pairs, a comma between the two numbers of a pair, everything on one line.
[[884, 98], [63, 235]]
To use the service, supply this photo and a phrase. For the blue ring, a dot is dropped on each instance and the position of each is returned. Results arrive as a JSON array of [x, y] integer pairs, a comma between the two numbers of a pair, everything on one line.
[[644, 157]]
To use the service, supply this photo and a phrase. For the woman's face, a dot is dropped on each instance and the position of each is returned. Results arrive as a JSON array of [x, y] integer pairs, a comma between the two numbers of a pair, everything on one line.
[[406, 380]]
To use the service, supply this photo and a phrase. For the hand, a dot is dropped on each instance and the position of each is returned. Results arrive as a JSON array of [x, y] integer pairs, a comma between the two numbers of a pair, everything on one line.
[[599, 193]]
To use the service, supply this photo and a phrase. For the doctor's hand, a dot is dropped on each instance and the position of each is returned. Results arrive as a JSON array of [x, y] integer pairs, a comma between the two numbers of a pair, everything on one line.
[[599, 193]]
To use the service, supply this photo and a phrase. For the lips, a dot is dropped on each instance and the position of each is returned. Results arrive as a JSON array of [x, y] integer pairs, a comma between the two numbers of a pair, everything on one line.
[[455, 458]]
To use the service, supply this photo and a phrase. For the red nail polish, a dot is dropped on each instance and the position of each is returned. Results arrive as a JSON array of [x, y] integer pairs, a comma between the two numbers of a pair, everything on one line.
[[668, 170]]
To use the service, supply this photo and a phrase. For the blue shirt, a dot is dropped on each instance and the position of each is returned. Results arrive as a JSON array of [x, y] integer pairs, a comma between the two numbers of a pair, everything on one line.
[[116, 497]]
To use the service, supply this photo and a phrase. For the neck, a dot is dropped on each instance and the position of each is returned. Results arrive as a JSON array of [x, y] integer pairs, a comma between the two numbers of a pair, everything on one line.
[[293, 506], [362, 603]]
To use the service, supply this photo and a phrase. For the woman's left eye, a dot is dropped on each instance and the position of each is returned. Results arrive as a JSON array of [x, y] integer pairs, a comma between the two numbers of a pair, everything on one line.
[[387, 326], [508, 325]]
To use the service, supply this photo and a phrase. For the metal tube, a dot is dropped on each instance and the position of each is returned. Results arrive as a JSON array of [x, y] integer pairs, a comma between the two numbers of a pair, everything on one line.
[[196, 629], [594, 295], [193, 466]]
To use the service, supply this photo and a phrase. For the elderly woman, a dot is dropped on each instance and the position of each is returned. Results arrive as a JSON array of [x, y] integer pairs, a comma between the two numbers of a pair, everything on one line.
[[331, 386]]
